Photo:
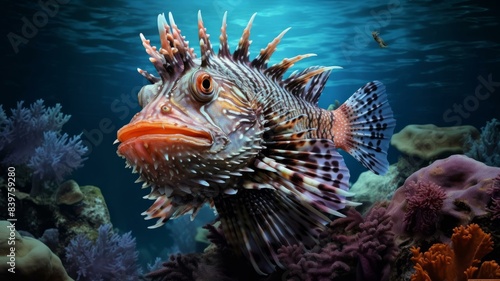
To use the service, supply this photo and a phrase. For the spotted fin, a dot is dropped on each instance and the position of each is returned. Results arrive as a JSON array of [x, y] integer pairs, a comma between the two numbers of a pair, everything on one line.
[[364, 125], [295, 182], [310, 169]]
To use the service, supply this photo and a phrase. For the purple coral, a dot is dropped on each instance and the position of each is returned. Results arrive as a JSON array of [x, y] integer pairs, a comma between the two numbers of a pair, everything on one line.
[[377, 248], [32, 136], [57, 157], [179, 267], [424, 203], [110, 257], [494, 208], [364, 250]]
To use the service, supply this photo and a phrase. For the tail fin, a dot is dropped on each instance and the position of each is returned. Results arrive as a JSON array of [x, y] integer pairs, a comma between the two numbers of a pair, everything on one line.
[[364, 125]]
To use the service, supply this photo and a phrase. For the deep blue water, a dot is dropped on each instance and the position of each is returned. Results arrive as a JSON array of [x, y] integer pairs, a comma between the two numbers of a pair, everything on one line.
[[84, 55]]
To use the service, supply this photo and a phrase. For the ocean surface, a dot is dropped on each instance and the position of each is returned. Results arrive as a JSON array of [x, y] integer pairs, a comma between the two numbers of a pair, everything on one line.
[[441, 66]]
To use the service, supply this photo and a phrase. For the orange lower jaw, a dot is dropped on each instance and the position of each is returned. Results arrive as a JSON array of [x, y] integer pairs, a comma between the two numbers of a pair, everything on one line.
[[146, 130]]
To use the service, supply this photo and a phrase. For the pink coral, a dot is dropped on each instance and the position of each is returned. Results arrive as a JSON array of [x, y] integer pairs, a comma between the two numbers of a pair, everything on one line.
[[363, 250], [494, 192], [465, 182], [424, 202]]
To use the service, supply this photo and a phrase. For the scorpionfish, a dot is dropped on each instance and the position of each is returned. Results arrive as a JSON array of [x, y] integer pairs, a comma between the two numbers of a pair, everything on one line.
[[224, 130]]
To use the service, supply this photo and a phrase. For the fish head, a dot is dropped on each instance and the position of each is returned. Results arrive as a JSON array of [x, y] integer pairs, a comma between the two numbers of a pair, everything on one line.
[[191, 129]]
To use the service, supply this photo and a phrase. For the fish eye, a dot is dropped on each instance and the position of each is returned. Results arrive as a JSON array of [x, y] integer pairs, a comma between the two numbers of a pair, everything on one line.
[[203, 87]]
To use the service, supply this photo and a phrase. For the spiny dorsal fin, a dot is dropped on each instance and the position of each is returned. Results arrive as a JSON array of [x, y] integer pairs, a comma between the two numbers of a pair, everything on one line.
[[241, 53], [276, 71], [261, 60], [205, 46], [309, 83], [174, 55], [151, 78], [224, 47]]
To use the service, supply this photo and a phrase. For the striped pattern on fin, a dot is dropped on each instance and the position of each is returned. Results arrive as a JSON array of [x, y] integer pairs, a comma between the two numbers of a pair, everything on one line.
[[174, 56], [242, 52], [205, 45], [224, 46], [276, 71], [265, 54], [364, 125], [310, 169], [308, 83], [256, 223]]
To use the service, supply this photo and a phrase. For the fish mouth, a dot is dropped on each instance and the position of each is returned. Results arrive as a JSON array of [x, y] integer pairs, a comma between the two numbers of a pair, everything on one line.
[[165, 131]]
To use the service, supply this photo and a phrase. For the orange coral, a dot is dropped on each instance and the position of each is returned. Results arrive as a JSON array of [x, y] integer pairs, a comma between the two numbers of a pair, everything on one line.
[[459, 262]]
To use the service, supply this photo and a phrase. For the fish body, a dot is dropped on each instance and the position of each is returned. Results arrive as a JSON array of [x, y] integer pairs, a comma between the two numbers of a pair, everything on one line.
[[232, 132], [379, 40]]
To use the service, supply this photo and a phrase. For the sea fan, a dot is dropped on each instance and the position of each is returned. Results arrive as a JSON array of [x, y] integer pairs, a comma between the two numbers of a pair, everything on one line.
[[57, 157], [32, 137], [110, 257], [487, 148]]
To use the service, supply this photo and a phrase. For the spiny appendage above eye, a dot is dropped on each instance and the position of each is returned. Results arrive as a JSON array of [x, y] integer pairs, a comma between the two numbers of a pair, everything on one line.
[[203, 86]]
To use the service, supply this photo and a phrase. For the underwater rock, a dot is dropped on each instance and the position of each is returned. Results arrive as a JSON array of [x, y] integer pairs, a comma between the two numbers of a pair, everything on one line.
[[33, 259], [69, 193], [465, 183], [85, 217], [371, 188], [40, 213], [50, 238], [431, 142]]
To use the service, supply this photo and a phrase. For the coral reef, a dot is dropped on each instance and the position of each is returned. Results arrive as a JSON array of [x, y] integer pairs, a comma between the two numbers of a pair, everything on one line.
[[33, 260], [110, 257], [465, 183], [186, 268], [57, 156], [217, 262], [424, 202], [40, 213], [432, 201], [494, 206], [32, 137], [457, 262], [431, 142], [50, 237], [69, 193], [487, 148], [364, 252], [371, 188]]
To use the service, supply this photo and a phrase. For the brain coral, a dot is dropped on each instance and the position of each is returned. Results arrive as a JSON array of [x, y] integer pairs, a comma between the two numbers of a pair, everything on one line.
[[429, 141]]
